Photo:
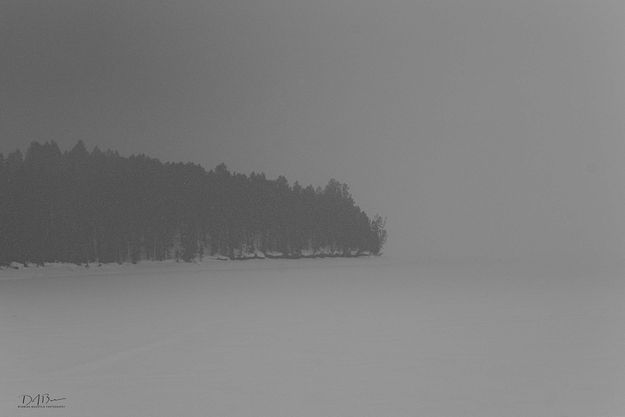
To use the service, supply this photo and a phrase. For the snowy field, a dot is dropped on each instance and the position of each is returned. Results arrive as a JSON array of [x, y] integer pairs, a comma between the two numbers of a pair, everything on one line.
[[322, 337]]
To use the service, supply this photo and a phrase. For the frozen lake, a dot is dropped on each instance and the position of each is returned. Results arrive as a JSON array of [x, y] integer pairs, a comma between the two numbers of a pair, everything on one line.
[[334, 337]]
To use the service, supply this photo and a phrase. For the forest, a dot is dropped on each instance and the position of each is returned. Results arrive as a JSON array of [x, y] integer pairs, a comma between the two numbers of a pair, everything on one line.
[[98, 207]]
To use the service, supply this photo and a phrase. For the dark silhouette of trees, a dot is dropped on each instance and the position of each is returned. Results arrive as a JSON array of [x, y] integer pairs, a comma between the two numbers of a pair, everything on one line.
[[81, 207]]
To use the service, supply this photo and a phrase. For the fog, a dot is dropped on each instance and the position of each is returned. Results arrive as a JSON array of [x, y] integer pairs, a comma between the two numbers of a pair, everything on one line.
[[483, 131]]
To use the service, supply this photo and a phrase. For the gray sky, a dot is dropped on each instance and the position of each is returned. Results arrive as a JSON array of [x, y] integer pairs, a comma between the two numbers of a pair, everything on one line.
[[482, 128]]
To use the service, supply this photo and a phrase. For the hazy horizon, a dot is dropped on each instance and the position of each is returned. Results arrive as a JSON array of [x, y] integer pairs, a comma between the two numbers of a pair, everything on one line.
[[491, 130]]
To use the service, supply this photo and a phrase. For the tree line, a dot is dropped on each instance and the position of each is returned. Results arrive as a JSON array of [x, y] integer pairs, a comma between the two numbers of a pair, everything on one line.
[[81, 207]]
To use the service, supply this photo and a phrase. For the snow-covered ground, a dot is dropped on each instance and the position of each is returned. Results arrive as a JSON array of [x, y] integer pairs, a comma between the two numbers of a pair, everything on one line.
[[320, 337]]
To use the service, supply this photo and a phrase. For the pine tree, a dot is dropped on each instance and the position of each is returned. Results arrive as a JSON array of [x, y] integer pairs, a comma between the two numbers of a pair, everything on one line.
[[85, 207]]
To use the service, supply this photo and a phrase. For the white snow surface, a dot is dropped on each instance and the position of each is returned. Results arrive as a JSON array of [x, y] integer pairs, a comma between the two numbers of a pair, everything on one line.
[[312, 337]]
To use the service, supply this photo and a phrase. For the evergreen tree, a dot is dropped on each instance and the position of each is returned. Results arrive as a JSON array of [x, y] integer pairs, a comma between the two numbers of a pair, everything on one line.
[[81, 207]]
